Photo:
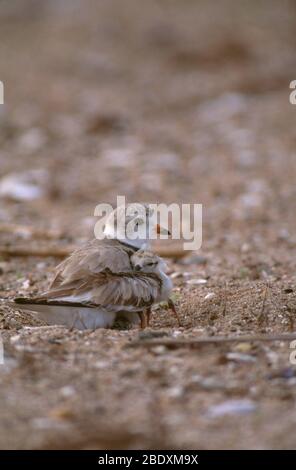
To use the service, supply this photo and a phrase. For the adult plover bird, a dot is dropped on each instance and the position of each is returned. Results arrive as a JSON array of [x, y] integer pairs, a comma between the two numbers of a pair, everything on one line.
[[97, 283], [147, 262]]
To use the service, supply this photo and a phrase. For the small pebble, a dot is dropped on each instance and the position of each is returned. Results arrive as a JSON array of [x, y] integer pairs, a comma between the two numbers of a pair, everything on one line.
[[101, 364], [210, 296], [243, 347], [245, 248], [197, 281], [32, 140], [232, 407], [175, 392], [67, 391], [176, 275], [239, 357], [158, 350], [26, 284]]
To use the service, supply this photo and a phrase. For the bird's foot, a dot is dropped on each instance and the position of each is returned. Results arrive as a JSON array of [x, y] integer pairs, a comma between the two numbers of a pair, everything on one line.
[[143, 319]]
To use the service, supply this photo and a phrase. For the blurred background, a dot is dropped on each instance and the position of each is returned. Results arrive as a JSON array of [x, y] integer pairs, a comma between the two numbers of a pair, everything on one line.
[[160, 101]]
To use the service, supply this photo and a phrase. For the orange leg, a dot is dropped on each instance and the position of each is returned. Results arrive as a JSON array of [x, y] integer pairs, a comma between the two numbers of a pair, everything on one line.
[[143, 319], [173, 308]]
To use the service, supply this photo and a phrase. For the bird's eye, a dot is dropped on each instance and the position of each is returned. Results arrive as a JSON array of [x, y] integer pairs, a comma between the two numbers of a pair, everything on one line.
[[138, 222]]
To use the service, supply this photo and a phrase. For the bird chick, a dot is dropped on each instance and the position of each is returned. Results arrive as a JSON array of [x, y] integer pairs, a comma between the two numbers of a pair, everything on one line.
[[147, 262]]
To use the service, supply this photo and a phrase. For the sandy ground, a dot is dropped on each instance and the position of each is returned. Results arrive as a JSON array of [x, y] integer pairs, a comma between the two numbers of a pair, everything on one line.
[[161, 101]]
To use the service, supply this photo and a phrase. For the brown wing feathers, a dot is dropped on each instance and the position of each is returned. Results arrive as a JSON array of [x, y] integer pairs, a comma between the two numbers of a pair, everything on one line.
[[106, 288], [100, 274]]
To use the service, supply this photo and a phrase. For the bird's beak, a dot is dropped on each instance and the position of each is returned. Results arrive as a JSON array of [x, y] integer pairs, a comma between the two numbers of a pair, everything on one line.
[[161, 230]]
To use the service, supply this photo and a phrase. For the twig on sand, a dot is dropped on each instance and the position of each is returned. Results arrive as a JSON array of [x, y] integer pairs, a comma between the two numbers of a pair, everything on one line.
[[11, 251], [197, 342], [62, 252], [31, 232]]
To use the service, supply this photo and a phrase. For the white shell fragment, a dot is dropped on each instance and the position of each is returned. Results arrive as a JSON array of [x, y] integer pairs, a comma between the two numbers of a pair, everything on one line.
[[210, 296], [232, 407], [25, 186], [197, 281]]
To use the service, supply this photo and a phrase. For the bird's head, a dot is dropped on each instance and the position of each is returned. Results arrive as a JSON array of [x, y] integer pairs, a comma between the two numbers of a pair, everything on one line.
[[135, 224], [147, 262]]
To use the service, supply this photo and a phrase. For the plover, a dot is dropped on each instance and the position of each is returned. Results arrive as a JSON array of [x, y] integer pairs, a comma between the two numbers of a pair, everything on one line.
[[97, 283], [145, 261]]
